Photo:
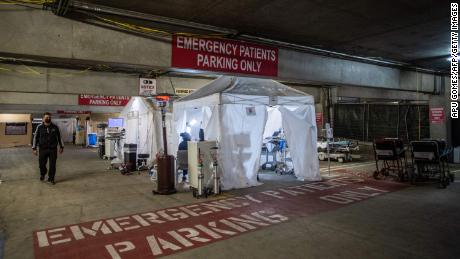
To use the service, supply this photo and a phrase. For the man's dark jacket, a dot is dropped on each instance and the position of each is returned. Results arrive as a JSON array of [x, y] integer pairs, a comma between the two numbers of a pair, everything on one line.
[[47, 137]]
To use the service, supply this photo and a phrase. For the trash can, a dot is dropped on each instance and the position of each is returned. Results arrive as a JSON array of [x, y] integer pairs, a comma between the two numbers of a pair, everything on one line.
[[92, 139], [130, 154]]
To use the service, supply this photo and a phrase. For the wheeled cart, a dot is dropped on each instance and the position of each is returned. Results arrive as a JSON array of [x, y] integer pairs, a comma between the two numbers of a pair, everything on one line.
[[391, 155], [430, 159]]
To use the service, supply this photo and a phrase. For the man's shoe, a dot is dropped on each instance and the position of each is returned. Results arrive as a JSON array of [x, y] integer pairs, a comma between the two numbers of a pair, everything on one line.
[[42, 177], [51, 182]]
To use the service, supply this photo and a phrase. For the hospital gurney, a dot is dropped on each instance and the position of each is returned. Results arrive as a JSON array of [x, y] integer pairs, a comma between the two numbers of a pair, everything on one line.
[[391, 154], [342, 150], [430, 159]]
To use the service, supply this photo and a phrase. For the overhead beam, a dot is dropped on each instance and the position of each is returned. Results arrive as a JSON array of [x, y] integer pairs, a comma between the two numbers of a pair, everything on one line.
[[41, 108], [27, 79], [298, 66], [37, 89], [371, 93]]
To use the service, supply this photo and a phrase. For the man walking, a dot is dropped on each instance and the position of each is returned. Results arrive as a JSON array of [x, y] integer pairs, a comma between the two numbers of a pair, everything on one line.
[[47, 137]]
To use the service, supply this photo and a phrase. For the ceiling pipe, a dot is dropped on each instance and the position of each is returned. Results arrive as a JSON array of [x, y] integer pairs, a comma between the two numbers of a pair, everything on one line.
[[323, 51], [235, 34], [149, 17]]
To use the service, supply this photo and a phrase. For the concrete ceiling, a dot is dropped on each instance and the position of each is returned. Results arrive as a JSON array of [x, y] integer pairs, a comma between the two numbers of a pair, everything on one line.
[[416, 32]]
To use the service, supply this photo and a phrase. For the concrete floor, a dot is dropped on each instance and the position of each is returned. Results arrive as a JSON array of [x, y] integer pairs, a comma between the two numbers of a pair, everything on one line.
[[416, 222]]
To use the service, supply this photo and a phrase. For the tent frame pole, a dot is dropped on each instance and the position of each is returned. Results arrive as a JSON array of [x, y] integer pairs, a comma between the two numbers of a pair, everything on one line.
[[163, 123]]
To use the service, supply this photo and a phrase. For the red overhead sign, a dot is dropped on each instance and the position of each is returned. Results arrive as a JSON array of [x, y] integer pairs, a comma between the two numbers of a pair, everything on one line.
[[102, 100], [437, 115], [222, 55]]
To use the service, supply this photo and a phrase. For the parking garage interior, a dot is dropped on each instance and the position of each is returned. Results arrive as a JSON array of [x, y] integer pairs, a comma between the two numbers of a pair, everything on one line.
[[253, 129]]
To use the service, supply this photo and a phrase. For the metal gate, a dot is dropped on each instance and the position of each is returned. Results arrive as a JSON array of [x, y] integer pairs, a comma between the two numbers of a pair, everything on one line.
[[368, 121]]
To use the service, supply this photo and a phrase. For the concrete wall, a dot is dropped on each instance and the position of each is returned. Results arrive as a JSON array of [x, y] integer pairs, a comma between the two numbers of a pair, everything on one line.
[[14, 78], [58, 89], [14, 140], [36, 32]]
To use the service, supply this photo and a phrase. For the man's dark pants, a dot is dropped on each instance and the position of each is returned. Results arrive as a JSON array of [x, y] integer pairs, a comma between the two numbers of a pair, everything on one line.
[[43, 156]]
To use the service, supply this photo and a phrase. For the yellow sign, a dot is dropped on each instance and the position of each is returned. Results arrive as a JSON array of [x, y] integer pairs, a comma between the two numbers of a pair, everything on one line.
[[184, 91]]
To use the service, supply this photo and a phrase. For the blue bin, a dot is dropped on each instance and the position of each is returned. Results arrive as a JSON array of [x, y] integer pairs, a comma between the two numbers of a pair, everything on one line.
[[92, 139]]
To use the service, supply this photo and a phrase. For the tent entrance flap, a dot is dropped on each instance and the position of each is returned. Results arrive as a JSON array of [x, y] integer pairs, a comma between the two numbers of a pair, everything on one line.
[[297, 125]]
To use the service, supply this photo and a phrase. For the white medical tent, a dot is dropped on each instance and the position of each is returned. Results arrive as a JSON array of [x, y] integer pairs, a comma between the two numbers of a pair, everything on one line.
[[142, 123], [66, 128], [235, 110]]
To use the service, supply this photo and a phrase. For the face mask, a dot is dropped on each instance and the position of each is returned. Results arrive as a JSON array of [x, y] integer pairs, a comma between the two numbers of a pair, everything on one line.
[[47, 120]]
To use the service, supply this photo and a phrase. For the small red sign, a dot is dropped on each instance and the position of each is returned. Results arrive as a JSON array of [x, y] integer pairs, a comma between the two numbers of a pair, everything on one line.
[[102, 100], [319, 119], [437, 115], [222, 55]]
